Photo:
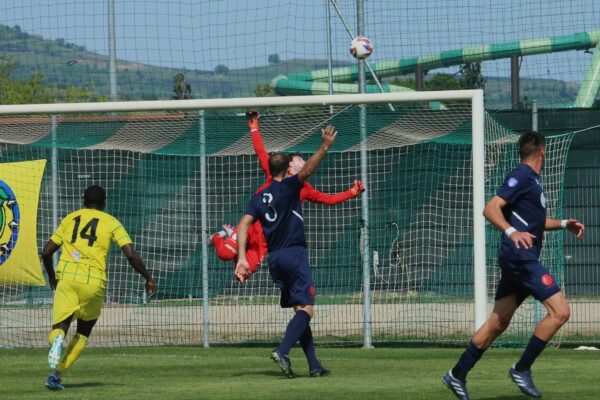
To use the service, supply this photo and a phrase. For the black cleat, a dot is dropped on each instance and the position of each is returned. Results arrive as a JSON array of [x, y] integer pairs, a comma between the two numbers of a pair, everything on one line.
[[284, 363], [319, 370], [458, 387], [524, 381]]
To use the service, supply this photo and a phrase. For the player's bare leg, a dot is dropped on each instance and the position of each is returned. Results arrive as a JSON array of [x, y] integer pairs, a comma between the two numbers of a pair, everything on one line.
[[558, 314], [497, 322]]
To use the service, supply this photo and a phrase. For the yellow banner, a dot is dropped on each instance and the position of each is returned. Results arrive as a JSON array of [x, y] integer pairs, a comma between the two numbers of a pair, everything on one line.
[[19, 196]]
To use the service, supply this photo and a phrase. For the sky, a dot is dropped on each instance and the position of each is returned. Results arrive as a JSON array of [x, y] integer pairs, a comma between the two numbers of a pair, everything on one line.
[[201, 34]]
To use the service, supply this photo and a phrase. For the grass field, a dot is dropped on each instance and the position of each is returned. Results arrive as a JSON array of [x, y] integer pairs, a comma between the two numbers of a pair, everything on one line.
[[248, 373]]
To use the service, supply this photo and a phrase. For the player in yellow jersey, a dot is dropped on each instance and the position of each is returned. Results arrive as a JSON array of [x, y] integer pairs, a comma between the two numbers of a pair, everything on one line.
[[80, 278]]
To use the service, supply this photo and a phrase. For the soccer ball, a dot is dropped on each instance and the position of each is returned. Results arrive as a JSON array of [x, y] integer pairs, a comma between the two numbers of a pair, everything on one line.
[[361, 47]]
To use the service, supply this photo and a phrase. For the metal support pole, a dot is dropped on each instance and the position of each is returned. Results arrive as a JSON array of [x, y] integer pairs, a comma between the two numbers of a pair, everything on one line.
[[366, 252], [534, 116], [112, 52], [54, 169], [329, 52], [337, 9], [204, 230], [514, 81], [419, 78], [538, 307]]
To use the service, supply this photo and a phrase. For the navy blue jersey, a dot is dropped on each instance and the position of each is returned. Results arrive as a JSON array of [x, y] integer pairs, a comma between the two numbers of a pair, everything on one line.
[[525, 210], [279, 210]]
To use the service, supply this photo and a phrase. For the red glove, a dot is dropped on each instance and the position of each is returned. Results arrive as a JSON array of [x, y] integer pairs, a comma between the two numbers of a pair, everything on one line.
[[357, 188], [252, 116]]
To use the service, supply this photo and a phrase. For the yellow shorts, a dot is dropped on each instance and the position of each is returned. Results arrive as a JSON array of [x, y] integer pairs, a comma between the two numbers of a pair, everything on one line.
[[80, 300]]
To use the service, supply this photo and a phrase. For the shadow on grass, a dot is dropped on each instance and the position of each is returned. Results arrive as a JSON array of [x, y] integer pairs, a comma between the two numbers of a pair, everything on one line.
[[90, 384], [274, 374]]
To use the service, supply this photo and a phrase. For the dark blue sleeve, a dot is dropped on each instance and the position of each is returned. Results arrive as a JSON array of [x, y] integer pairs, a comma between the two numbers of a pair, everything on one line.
[[253, 208], [512, 188]]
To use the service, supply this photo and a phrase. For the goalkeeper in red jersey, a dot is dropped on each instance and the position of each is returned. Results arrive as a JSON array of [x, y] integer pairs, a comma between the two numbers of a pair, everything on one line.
[[225, 241]]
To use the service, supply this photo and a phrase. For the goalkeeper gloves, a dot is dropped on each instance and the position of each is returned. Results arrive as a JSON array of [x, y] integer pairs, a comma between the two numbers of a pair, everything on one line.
[[252, 117], [357, 188]]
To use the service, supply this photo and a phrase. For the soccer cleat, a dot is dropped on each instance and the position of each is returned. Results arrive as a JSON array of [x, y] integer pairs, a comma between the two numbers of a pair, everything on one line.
[[54, 383], [284, 363], [55, 351], [209, 239], [319, 370], [228, 229], [458, 387], [524, 381]]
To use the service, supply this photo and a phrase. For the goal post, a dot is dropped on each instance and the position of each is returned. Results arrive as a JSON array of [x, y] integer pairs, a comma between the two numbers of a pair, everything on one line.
[[175, 171]]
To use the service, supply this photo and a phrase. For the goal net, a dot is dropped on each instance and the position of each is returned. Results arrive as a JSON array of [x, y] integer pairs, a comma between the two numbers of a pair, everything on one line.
[[397, 260]]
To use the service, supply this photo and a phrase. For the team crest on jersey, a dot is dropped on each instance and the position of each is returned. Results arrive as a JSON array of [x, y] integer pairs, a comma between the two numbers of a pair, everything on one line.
[[543, 200], [9, 221], [547, 280], [512, 182]]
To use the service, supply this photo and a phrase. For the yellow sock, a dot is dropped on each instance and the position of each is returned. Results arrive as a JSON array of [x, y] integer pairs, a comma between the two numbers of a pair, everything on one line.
[[54, 333], [76, 346]]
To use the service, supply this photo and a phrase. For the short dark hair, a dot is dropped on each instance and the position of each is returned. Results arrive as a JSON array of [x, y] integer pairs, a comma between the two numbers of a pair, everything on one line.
[[279, 163], [530, 143], [94, 197]]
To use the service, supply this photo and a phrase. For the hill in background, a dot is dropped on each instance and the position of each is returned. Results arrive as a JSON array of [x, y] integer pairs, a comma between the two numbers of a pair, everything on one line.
[[63, 63]]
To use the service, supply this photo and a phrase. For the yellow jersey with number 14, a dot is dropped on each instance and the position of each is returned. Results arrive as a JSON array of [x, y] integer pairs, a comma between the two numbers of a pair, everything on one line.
[[85, 236]]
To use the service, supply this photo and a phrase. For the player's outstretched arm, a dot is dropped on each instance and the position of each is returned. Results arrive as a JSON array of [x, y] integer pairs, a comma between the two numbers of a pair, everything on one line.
[[242, 268], [328, 137], [311, 194], [493, 213], [252, 117], [572, 225], [136, 262], [49, 249]]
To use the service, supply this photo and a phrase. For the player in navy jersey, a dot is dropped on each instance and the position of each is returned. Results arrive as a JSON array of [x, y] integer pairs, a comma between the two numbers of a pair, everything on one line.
[[519, 210], [279, 209]]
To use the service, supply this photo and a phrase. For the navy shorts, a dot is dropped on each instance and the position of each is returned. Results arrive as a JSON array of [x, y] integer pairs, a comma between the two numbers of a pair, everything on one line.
[[290, 271], [525, 278]]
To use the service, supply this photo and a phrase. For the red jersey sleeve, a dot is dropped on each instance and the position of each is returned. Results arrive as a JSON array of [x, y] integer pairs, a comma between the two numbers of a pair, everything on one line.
[[261, 152], [263, 157], [309, 193]]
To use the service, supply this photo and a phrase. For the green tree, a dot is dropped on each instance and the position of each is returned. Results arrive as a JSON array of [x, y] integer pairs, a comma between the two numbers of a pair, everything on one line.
[[263, 90], [221, 69], [471, 76], [443, 82], [274, 59], [76, 94], [35, 91], [181, 88]]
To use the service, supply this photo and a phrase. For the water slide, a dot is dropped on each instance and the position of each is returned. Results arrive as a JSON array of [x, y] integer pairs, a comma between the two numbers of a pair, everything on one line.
[[316, 82]]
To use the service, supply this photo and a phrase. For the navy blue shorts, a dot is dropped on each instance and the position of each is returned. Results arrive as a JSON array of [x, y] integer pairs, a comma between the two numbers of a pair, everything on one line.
[[525, 278], [290, 271]]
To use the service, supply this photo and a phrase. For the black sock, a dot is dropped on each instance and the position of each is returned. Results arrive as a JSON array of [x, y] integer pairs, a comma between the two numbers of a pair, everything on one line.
[[467, 361], [308, 345], [294, 330], [533, 349]]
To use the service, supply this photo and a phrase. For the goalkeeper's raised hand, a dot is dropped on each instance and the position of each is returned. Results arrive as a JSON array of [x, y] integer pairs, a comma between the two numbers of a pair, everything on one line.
[[252, 116], [357, 188]]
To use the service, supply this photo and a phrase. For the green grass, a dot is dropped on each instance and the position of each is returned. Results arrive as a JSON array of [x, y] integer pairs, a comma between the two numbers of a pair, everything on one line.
[[248, 373]]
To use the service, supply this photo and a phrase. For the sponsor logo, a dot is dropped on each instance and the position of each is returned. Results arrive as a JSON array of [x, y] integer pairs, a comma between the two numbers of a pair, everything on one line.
[[543, 200], [547, 280], [512, 182], [312, 291], [9, 221]]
